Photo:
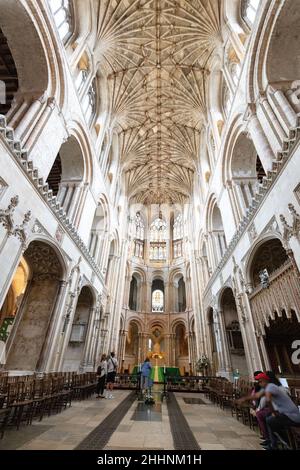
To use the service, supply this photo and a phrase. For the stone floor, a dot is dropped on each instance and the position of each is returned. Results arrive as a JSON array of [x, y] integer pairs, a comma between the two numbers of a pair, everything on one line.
[[143, 427]]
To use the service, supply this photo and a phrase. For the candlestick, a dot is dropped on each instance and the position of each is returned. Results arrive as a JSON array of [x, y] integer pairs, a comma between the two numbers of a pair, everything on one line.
[[279, 368]]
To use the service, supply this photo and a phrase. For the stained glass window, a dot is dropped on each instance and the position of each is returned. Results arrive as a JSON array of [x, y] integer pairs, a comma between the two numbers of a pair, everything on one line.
[[157, 301], [158, 230]]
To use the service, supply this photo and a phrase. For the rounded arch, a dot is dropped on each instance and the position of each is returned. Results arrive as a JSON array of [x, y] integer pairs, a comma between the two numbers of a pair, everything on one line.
[[282, 62], [18, 44], [250, 258], [262, 33], [76, 132], [158, 274], [176, 274], [140, 272], [48, 80], [132, 343], [135, 319], [135, 291], [55, 247], [233, 333], [74, 357], [92, 290], [178, 322], [156, 322], [37, 310], [215, 98], [237, 127], [157, 295], [214, 220], [181, 344]]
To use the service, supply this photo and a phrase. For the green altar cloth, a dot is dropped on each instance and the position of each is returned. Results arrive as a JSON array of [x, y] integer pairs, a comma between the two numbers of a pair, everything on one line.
[[157, 373]]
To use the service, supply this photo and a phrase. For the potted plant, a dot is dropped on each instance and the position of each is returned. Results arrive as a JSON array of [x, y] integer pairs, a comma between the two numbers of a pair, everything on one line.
[[202, 364]]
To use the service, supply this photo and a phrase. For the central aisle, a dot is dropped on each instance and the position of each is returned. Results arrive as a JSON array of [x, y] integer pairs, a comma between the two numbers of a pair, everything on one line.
[[187, 422], [144, 426]]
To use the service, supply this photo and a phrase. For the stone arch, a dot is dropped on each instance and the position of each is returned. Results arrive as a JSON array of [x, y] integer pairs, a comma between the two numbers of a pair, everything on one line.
[[282, 62], [135, 292], [250, 259], [178, 284], [245, 172], [18, 44], [157, 295], [99, 231], [181, 344], [212, 336], [274, 296], [38, 89], [215, 229], [258, 49], [74, 359], [68, 175], [215, 98], [36, 312], [232, 331], [133, 352]]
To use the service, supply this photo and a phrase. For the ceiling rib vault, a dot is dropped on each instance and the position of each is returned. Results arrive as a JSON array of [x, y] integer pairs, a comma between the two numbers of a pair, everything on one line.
[[156, 55]]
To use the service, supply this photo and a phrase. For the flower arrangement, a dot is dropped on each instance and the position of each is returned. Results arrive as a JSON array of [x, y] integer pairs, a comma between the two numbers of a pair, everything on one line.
[[202, 363]]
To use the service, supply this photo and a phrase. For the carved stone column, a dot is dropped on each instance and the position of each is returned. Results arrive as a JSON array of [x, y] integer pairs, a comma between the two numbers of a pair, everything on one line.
[[86, 361], [48, 355], [286, 108], [260, 142], [233, 201], [225, 355]]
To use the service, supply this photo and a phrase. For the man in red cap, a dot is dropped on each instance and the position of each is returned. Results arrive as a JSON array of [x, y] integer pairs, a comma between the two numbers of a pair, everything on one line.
[[285, 415]]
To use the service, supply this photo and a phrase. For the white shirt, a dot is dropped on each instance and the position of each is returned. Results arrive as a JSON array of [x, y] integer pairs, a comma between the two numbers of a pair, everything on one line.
[[103, 366], [112, 364]]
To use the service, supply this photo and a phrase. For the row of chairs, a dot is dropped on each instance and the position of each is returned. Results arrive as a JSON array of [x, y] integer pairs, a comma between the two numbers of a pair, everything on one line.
[[224, 394], [186, 384], [24, 398]]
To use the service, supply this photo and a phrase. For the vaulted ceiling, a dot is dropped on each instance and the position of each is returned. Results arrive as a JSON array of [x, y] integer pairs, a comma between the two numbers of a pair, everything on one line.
[[156, 55]]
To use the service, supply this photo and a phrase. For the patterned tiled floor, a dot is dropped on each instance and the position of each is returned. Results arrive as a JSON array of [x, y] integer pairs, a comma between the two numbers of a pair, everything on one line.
[[214, 429]]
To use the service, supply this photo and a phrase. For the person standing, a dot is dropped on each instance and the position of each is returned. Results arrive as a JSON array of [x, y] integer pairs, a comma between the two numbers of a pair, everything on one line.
[[112, 365], [101, 374], [145, 374]]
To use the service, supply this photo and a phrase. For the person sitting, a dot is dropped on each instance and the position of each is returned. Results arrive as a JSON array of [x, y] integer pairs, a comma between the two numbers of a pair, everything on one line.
[[260, 409], [283, 412]]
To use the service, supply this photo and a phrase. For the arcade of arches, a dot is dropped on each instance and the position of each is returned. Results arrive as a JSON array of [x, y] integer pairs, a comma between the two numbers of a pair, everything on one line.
[[150, 185]]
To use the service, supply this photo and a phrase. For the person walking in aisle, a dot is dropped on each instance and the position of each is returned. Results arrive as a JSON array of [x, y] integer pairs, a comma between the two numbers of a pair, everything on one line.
[[101, 375], [112, 365]]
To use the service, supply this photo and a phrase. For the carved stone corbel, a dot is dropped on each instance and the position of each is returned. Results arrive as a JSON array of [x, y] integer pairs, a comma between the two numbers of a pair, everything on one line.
[[287, 231], [6, 215], [21, 230], [296, 221]]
